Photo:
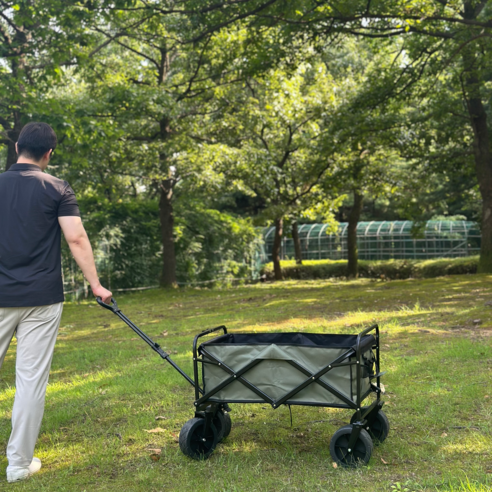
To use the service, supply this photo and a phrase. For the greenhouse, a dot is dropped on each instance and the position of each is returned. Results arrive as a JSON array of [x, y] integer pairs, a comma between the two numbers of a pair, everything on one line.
[[381, 241]]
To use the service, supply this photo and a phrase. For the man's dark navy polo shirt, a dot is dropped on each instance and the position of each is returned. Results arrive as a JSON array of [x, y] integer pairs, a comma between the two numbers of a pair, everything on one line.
[[30, 236]]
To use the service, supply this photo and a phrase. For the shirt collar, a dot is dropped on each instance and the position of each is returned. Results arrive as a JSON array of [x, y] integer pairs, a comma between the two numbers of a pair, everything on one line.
[[24, 167]]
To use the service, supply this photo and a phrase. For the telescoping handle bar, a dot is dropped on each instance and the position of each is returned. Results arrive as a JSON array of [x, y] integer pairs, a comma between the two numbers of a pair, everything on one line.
[[113, 307]]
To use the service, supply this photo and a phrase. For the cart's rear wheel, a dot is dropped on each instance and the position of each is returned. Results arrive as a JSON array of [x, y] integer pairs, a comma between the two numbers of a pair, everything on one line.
[[228, 424], [379, 429], [359, 455], [219, 424], [222, 423], [194, 443]]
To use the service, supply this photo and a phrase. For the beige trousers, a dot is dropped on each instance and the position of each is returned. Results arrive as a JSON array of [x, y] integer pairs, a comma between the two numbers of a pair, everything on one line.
[[36, 329]]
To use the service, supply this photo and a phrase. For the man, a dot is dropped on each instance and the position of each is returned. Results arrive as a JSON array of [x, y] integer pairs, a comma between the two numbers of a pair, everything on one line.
[[34, 208]]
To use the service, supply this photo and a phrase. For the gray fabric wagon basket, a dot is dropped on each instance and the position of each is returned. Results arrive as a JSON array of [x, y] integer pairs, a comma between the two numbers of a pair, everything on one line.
[[282, 368], [277, 360]]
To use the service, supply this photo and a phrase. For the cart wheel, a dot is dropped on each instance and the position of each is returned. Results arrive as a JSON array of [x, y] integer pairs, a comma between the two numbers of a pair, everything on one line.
[[219, 424], [228, 424], [192, 441], [339, 450], [379, 429], [222, 423]]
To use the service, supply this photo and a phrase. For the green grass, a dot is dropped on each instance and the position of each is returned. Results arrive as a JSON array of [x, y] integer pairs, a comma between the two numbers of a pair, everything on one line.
[[107, 388]]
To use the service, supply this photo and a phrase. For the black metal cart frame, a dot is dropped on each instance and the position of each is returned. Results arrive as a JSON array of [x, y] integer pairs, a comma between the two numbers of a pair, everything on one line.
[[364, 417], [311, 378], [209, 414]]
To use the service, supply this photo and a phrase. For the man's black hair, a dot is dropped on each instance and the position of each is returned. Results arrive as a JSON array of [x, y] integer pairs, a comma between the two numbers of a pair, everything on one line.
[[35, 140]]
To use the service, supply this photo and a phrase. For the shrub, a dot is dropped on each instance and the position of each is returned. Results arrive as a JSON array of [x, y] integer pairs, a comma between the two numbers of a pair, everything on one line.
[[386, 269]]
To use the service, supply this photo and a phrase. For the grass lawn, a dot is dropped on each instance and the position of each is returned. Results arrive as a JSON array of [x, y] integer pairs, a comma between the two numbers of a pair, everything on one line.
[[107, 388]]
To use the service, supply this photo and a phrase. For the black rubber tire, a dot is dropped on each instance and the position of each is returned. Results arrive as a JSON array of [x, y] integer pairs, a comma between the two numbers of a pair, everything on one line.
[[379, 429], [223, 425], [360, 455], [228, 424], [219, 424], [192, 441]]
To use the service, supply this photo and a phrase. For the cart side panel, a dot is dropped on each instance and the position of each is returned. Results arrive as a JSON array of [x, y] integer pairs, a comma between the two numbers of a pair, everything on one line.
[[276, 377]]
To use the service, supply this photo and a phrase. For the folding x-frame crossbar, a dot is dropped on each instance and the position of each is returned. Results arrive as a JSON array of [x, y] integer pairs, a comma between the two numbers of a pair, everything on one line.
[[364, 416]]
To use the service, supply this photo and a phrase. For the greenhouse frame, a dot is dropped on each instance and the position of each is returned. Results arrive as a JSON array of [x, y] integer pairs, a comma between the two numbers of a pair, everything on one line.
[[381, 241]]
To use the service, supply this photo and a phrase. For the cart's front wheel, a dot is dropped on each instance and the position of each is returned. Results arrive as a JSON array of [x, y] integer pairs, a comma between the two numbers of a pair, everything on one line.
[[193, 440], [379, 429], [343, 455], [222, 422]]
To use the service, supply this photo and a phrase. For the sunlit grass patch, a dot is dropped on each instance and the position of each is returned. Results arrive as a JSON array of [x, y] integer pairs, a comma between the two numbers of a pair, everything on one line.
[[107, 388]]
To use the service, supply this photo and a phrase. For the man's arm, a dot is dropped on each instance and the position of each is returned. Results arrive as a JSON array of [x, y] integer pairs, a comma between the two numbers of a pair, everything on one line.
[[79, 244]]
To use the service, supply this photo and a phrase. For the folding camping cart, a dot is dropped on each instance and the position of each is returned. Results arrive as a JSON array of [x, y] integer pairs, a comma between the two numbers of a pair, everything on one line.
[[325, 370]]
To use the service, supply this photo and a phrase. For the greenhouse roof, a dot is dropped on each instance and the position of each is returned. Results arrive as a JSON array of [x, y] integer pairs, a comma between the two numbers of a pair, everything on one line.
[[385, 228]]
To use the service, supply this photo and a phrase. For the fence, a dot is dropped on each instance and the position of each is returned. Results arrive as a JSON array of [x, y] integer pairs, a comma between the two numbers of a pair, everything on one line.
[[115, 276], [381, 241], [142, 270], [376, 241]]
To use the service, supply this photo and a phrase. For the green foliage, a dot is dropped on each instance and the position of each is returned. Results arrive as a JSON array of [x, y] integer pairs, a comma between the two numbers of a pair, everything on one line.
[[214, 247], [272, 100], [37, 40], [433, 88], [266, 142], [383, 269], [126, 243], [129, 245]]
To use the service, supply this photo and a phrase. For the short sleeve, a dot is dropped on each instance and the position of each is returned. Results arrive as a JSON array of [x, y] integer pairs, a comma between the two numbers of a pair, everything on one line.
[[68, 206]]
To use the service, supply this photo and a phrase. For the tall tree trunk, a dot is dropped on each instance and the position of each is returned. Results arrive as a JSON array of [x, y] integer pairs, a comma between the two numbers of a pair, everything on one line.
[[13, 136], [17, 68], [353, 220], [297, 243], [11, 153], [277, 243], [482, 154], [166, 213], [166, 209]]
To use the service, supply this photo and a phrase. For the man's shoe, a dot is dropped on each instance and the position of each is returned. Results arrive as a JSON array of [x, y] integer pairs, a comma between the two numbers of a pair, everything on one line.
[[16, 473]]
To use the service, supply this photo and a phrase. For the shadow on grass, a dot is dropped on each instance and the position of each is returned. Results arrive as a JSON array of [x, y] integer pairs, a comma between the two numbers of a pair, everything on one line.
[[110, 392]]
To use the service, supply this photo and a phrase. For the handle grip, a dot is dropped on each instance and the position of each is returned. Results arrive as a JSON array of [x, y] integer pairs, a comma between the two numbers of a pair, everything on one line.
[[112, 307]]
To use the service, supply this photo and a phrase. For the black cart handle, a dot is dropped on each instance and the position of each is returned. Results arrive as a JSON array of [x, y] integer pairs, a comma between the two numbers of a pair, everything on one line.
[[112, 307]]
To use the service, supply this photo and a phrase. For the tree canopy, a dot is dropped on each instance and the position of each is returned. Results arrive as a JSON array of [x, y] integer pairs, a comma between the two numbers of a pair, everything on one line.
[[183, 125]]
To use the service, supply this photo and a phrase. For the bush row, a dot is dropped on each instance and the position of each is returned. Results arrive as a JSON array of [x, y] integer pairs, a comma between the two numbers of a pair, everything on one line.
[[381, 269]]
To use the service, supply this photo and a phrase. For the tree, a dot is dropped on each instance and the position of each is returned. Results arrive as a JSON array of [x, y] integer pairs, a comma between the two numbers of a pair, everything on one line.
[[267, 141], [437, 142], [436, 34], [152, 86], [359, 134], [44, 39], [37, 39]]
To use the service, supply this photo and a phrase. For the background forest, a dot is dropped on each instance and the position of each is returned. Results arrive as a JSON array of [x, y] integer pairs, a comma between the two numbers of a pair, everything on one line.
[[184, 126]]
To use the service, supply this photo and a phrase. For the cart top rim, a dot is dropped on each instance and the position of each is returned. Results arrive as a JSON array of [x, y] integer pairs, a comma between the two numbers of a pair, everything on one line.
[[300, 339]]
